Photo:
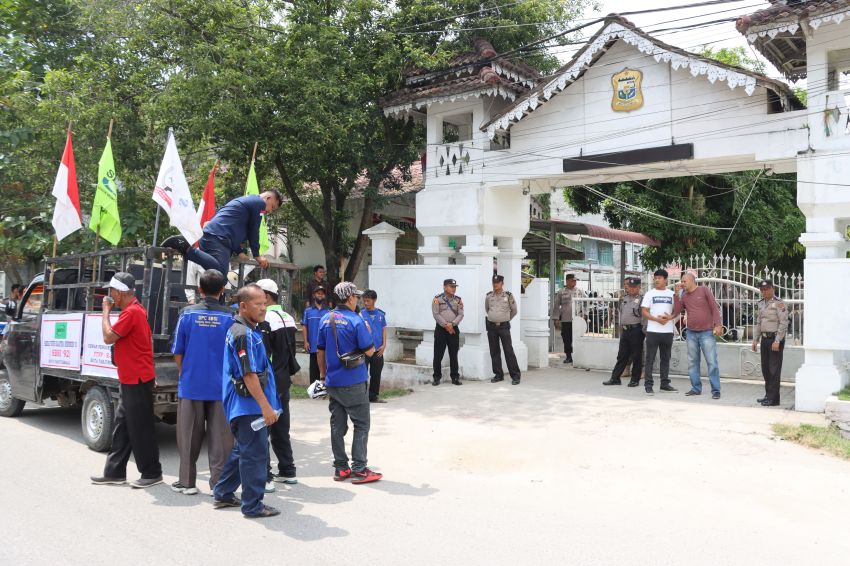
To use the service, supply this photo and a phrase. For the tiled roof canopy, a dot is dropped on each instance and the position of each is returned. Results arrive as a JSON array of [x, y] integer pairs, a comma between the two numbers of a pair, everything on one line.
[[477, 73], [777, 34], [616, 28]]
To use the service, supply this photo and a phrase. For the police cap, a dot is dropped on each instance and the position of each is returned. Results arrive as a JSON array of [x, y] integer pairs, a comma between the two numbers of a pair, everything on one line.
[[570, 276], [634, 281], [765, 284], [451, 282], [498, 279]]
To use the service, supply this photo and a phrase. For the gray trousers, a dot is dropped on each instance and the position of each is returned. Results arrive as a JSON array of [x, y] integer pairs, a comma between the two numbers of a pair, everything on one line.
[[349, 402], [196, 419]]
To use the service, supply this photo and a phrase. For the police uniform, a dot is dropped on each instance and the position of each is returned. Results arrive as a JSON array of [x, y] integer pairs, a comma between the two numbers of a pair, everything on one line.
[[500, 308], [562, 310], [770, 329], [632, 325], [446, 310]]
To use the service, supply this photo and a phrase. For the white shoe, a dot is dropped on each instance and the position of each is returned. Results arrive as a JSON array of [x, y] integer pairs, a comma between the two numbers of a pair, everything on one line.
[[179, 488], [270, 487]]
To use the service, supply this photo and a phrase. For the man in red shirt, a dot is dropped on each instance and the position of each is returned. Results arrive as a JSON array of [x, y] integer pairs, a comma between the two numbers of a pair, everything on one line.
[[703, 325], [134, 419]]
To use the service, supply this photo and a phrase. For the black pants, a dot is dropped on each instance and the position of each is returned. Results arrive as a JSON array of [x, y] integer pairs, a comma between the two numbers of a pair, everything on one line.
[[212, 253], [280, 441], [567, 337], [442, 340], [314, 367], [656, 341], [631, 350], [134, 432], [771, 368], [376, 366], [495, 335]]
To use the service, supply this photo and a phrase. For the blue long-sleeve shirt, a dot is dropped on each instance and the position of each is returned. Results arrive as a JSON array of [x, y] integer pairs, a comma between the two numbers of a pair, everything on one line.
[[237, 221]]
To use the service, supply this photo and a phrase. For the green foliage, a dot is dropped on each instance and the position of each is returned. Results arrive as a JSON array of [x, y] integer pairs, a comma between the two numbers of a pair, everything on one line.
[[737, 56]]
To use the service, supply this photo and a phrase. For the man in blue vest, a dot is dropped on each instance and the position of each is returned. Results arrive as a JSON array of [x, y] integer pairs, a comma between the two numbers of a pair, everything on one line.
[[344, 342], [377, 320], [249, 394], [198, 351], [232, 225]]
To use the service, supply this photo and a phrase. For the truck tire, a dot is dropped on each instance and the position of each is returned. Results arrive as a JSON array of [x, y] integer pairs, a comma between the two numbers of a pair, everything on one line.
[[9, 406], [98, 418]]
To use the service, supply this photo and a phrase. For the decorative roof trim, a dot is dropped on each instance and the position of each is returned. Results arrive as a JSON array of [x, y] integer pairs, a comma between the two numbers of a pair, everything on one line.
[[791, 26], [401, 110], [616, 31]]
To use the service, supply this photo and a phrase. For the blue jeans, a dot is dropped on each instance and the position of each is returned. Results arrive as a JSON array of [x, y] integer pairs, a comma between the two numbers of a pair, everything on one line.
[[212, 253], [703, 340], [246, 465]]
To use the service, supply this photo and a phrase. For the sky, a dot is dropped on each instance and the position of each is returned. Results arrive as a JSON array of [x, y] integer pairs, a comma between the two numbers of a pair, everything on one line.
[[716, 35]]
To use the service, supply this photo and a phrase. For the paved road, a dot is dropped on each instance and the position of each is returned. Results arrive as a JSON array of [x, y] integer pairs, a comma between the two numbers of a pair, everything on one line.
[[558, 470]]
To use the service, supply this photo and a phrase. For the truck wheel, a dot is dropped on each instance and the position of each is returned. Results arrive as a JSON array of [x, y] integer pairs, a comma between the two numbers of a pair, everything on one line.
[[98, 418], [9, 406]]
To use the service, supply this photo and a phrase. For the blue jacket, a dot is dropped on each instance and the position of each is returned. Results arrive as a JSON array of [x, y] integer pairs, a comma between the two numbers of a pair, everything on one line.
[[237, 221]]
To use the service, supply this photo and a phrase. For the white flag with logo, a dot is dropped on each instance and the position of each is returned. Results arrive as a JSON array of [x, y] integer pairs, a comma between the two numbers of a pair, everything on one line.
[[172, 194]]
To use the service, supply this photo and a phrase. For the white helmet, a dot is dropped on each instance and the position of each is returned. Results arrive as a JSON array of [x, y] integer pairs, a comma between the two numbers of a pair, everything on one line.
[[269, 286], [317, 390]]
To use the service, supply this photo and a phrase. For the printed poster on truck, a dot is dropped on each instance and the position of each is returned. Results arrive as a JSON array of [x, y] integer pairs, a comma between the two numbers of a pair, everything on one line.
[[61, 335], [97, 355]]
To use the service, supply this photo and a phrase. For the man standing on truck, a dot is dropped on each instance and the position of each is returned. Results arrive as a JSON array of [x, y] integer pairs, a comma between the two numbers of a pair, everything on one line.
[[249, 394], [198, 351], [133, 356], [232, 225]]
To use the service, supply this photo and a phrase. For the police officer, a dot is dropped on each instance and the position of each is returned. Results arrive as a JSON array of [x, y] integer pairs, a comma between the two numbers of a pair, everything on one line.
[[632, 327], [500, 307], [770, 327], [562, 313], [447, 309]]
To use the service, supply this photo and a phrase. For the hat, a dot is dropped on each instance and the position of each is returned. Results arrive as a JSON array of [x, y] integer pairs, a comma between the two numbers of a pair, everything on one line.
[[320, 288], [766, 283], [498, 279], [122, 281], [570, 276], [269, 286], [345, 290], [317, 390], [632, 281], [450, 282]]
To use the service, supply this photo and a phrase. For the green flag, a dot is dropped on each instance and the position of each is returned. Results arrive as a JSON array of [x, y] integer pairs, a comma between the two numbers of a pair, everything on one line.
[[251, 188], [104, 214]]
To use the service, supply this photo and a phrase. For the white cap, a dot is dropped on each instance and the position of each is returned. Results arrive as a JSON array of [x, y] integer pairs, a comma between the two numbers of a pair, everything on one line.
[[269, 286]]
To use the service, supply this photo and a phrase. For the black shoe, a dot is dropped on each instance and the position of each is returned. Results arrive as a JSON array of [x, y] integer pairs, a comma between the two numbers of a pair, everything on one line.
[[715, 395], [233, 501], [515, 381], [436, 381], [103, 480], [767, 403], [692, 393], [456, 381], [762, 400], [668, 388], [634, 383], [612, 381], [265, 512], [568, 360], [377, 400], [178, 243], [649, 391], [496, 379]]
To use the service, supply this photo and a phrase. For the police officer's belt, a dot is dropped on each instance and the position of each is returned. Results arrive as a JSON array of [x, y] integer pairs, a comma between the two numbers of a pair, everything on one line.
[[242, 389], [627, 326], [770, 335], [506, 323]]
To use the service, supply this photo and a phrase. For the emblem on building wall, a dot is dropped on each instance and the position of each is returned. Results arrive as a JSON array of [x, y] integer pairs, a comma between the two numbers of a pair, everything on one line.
[[627, 91]]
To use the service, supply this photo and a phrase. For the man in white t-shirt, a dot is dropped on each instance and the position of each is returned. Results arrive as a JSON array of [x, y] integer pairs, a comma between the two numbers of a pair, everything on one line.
[[657, 308]]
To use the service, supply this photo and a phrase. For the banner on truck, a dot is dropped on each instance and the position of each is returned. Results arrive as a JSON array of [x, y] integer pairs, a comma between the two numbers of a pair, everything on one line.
[[97, 355], [61, 335]]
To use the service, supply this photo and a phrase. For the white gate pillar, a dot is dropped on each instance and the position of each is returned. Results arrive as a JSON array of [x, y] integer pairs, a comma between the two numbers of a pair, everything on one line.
[[511, 255], [474, 357], [383, 237]]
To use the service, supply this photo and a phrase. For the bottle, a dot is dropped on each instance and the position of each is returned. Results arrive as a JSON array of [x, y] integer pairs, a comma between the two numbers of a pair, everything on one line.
[[259, 424]]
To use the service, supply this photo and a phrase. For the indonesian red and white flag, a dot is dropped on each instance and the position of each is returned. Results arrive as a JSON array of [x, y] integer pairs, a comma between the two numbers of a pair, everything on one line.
[[171, 192], [66, 214]]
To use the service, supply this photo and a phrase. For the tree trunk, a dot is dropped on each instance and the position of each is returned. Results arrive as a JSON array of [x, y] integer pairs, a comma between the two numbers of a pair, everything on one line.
[[361, 243]]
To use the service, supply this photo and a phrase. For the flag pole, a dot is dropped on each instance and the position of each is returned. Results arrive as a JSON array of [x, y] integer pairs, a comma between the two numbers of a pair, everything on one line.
[[254, 154]]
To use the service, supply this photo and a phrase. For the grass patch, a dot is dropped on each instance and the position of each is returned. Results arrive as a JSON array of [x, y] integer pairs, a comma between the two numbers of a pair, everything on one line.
[[844, 394], [300, 392], [823, 438]]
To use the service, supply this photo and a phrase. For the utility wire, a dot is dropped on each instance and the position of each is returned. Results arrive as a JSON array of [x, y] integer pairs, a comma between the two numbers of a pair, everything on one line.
[[740, 214]]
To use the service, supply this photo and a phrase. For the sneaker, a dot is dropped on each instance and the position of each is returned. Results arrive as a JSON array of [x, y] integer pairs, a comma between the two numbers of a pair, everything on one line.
[[366, 476], [178, 243], [103, 480], [232, 501], [692, 393], [180, 488], [612, 382], [270, 487], [342, 474], [668, 388], [289, 480], [649, 391], [715, 395], [496, 379], [265, 512], [142, 483]]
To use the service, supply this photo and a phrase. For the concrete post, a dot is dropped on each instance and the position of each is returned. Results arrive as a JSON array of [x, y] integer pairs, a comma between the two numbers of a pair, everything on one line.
[[383, 237], [474, 357], [511, 255]]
